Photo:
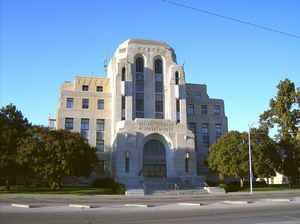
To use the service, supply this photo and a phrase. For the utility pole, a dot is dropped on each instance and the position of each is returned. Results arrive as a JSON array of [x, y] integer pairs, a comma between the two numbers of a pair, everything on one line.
[[250, 160]]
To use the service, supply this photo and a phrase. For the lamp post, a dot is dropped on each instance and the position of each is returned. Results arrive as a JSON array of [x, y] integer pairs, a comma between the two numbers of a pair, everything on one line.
[[250, 160]]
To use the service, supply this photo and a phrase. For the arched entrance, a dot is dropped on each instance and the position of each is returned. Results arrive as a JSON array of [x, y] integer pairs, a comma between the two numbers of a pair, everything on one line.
[[154, 159]]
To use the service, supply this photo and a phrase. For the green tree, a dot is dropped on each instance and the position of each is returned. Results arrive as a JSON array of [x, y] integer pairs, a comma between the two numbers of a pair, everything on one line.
[[56, 154], [229, 156], [284, 115], [12, 127], [29, 152]]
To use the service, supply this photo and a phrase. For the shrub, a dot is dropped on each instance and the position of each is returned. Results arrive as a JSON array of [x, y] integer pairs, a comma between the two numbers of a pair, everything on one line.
[[110, 183]]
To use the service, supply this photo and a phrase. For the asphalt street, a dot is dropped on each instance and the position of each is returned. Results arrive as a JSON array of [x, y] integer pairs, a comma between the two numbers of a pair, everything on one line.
[[111, 209]]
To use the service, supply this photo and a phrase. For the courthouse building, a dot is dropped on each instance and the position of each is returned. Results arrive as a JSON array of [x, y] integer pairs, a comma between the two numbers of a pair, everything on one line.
[[144, 119]]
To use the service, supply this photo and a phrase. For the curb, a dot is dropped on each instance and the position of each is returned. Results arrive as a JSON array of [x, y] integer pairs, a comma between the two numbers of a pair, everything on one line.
[[236, 202], [21, 206], [137, 205], [79, 206], [278, 200], [189, 204]]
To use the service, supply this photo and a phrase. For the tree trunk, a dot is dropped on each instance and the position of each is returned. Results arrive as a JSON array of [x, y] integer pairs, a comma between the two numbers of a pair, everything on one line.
[[241, 183], [7, 184]]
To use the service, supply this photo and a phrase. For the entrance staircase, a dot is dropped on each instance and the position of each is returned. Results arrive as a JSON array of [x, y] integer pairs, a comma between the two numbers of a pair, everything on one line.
[[167, 186], [172, 186]]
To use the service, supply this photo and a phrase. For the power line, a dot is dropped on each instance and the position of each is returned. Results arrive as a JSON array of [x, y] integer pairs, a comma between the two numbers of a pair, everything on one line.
[[231, 18]]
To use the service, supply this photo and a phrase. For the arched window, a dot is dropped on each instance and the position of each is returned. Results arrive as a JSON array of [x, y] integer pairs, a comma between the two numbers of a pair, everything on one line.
[[159, 95], [139, 63], [158, 66], [123, 73], [176, 78], [139, 88]]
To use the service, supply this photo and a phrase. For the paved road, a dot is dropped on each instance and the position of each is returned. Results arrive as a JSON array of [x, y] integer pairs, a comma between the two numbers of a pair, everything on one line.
[[258, 212], [111, 209]]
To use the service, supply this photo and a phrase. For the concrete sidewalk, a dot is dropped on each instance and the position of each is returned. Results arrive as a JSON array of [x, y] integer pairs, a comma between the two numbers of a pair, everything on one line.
[[5, 197]]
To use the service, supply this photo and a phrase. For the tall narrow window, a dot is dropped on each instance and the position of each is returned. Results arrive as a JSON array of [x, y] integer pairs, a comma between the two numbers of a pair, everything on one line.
[[187, 159], [177, 110], [218, 131], [198, 95], [190, 108], [123, 74], [176, 78], [159, 95], [139, 88], [203, 109], [204, 132], [70, 102], [193, 127], [158, 66], [123, 108], [217, 110], [100, 135], [85, 128], [139, 64], [100, 105], [85, 103], [127, 162]]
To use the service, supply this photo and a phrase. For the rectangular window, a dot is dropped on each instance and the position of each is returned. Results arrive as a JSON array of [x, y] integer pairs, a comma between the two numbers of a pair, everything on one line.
[[123, 107], [190, 108], [139, 85], [84, 128], [158, 87], [69, 123], [139, 114], [100, 104], [204, 132], [100, 135], [217, 109], [218, 131], [192, 127], [69, 102], [198, 95], [100, 125], [140, 105], [85, 103], [84, 124], [177, 105], [85, 88], [158, 106], [99, 88], [203, 109]]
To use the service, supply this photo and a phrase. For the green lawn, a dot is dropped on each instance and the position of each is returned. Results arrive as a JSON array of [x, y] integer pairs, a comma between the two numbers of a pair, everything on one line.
[[274, 187], [64, 190]]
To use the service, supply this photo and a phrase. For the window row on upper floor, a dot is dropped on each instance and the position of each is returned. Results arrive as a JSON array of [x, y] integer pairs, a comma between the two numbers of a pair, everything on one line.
[[85, 103], [203, 109], [204, 130], [84, 130], [158, 69], [85, 88]]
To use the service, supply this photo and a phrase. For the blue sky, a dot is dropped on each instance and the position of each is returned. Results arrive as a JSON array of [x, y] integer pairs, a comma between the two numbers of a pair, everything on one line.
[[44, 43]]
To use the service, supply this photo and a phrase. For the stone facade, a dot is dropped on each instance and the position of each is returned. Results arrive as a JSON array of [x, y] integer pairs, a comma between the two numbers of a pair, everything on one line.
[[144, 119]]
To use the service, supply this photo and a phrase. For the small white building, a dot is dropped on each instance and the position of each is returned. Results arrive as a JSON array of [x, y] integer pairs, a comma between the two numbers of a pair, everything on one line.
[[144, 119]]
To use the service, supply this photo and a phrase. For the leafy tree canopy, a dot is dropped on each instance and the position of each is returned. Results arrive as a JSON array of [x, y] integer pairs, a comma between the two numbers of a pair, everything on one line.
[[229, 156], [12, 127]]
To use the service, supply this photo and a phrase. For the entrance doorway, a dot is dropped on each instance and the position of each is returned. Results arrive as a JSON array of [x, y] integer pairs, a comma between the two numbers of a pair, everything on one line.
[[154, 159]]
